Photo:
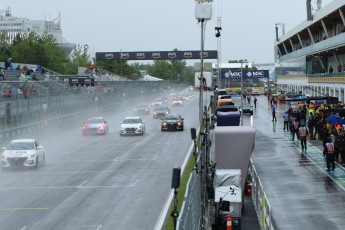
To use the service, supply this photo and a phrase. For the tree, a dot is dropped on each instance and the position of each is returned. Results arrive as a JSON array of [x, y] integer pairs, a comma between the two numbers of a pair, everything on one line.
[[177, 67], [160, 69], [188, 75], [120, 68], [39, 49], [80, 55], [5, 47]]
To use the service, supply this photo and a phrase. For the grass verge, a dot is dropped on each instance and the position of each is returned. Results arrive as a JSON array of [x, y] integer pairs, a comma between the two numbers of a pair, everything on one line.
[[181, 191]]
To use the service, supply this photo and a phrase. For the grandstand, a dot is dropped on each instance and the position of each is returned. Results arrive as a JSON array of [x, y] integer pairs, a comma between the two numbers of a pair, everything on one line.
[[315, 45]]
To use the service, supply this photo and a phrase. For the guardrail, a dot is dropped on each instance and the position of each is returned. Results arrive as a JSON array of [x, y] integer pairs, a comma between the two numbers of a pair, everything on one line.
[[261, 203], [18, 116], [190, 214]]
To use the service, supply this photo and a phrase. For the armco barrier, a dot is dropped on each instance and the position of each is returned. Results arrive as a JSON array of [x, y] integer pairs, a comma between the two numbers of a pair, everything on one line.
[[261, 203], [18, 116]]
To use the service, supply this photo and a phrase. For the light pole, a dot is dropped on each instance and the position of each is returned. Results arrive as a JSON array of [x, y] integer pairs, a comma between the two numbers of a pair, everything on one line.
[[218, 35], [241, 93], [201, 72]]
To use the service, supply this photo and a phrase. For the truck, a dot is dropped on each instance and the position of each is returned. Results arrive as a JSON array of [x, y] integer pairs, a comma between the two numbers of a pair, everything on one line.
[[207, 80], [231, 149]]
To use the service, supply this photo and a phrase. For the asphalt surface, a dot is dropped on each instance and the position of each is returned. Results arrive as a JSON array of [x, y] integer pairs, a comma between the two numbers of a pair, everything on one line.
[[302, 194], [97, 182]]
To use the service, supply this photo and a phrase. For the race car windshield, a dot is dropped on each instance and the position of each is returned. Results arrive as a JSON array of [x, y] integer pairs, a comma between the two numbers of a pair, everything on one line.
[[141, 106], [20, 146], [95, 121], [131, 121], [172, 117], [161, 108]]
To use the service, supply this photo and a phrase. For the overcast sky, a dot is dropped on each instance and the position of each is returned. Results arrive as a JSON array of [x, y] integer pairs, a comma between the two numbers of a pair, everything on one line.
[[162, 25]]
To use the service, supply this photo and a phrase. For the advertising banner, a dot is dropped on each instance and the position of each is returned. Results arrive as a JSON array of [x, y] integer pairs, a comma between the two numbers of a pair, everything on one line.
[[246, 74], [76, 81], [155, 55]]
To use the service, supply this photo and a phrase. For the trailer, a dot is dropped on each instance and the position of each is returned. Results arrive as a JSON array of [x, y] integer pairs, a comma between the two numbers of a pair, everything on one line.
[[230, 154], [228, 198]]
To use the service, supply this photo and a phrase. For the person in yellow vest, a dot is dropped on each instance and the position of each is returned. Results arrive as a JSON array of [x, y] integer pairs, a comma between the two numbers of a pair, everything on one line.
[[311, 111], [329, 128], [303, 133]]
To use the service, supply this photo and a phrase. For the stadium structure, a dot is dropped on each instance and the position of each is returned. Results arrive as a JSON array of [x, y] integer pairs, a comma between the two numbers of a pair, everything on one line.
[[13, 26], [311, 57]]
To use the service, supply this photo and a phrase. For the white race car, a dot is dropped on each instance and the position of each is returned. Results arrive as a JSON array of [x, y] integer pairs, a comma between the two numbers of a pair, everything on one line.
[[132, 126], [95, 125], [22, 153], [178, 101]]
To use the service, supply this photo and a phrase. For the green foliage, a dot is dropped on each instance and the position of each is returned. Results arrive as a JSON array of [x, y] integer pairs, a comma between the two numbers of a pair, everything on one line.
[[173, 70], [161, 69], [188, 75], [181, 190], [4, 47], [80, 55], [120, 68], [43, 50]]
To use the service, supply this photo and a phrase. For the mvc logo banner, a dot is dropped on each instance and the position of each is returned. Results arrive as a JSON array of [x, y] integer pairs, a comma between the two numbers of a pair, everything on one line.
[[247, 74]]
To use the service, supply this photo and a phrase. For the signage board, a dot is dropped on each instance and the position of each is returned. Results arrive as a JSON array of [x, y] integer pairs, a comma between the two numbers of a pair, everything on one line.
[[155, 55]]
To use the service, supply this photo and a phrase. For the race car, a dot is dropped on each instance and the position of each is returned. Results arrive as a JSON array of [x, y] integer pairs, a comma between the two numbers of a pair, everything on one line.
[[173, 122], [132, 126], [142, 109], [95, 125], [157, 102], [247, 108], [160, 111], [177, 101], [22, 153]]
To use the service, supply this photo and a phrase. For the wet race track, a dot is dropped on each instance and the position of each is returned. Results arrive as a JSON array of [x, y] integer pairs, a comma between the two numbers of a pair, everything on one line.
[[113, 182], [302, 194], [97, 182]]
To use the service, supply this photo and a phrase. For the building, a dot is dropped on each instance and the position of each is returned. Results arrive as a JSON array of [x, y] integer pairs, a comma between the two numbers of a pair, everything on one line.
[[311, 57], [13, 26]]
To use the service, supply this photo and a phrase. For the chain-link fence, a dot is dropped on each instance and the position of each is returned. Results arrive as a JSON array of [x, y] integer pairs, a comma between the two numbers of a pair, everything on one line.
[[189, 218], [50, 100]]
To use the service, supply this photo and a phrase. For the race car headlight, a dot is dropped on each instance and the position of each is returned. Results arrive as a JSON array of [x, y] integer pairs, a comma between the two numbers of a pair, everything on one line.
[[155, 113], [4, 157], [31, 156], [179, 123], [164, 123], [167, 112]]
